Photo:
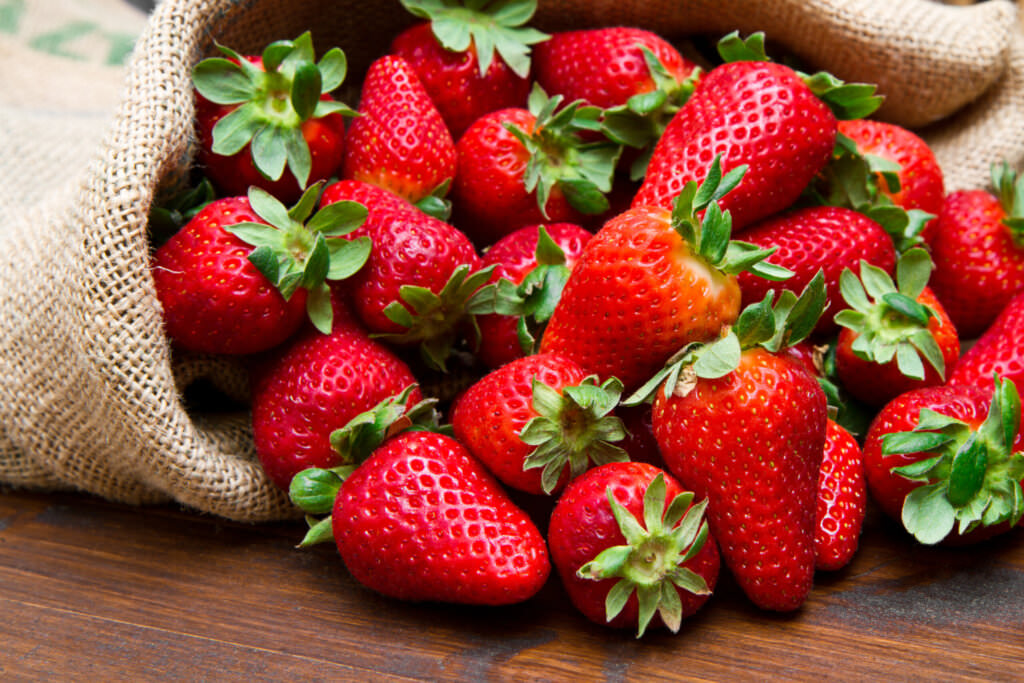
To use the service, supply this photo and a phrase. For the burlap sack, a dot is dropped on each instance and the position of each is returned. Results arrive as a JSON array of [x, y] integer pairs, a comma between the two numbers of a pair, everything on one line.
[[90, 396]]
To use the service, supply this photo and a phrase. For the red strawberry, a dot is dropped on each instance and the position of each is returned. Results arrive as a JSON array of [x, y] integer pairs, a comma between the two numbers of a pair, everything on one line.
[[889, 329], [842, 500], [638, 76], [754, 113], [422, 519], [539, 421], [238, 277], [315, 386], [650, 282], [398, 141], [464, 84], [534, 262], [947, 462], [631, 548], [520, 167], [257, 115], [997, 352], [826, 238], [919, 182], [416, 284], [744, 427], [978, 249]]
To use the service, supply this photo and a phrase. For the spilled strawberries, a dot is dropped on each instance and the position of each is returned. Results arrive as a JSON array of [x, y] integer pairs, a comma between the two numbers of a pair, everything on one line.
[[682, 304]]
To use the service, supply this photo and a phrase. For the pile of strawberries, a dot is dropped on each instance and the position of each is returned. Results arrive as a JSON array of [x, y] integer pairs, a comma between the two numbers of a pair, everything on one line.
[[510, 274]]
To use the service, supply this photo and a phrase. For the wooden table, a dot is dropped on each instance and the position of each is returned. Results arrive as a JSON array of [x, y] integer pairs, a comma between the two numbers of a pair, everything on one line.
[[96, 591]]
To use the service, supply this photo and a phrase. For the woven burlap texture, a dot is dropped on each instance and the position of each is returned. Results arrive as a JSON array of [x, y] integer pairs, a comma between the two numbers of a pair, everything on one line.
[[89, 397]]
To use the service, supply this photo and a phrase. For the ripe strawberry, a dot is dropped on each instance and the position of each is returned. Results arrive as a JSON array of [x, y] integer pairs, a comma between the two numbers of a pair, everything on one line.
[[744, 426], [650, 282], [755, 113], [398, 141], [417, 282], [237, 277], [313, 387], [421, 519], [531, 265], [257, 115], [978, 249], [889, 329], [842, 500], [520, 167], [539, 421], [947, 461], [631, 548], [634, 74], [826, 238], [463, 83], [997, 352], [917, 182]]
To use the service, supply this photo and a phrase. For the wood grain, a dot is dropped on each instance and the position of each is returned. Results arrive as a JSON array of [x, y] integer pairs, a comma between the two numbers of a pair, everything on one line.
[[95, 591]]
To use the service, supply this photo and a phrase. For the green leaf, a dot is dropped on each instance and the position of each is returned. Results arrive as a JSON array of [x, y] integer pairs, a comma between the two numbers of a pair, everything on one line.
[[314, 490], [338, 219], [269, 208], [756, 323], [583, 195], [617, 597], [305, 94], [719, 358], [347, 256], [265, 261], [913, 442], [321, 531], [732, 48], [876, 281], [928, 514], [333, 69], [318, 308], [967, 474], [236, 130], [274, 54], [300, 161], [913, 270], [270, 151], [257, 234], [222, 81], [903, 304], [909, 362], [853, 293]]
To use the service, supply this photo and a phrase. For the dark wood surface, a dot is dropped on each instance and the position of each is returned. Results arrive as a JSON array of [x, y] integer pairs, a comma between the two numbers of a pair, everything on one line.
[[91, 590]]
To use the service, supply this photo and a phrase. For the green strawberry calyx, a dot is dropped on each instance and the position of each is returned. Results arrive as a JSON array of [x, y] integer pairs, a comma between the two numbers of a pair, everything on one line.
[[856, 181], [889, 321], [972, 477], [271, 102], [709, 235], [1009, 188], [533, 300], [575, 428], [773, 327], [846, 100], [435, 320], [313, 490], [650, 563], [488, 26], [559, 157], [297, 248], [641, 121]]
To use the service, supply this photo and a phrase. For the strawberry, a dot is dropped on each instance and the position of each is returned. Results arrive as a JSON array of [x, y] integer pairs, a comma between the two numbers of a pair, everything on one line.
[[313, 387], [916, 181], [756, 113], [419, 518], [978, 249], [650, 282], [375, 199], [258, 115], [472, 58], [539, 421], [997, 352], [634, 74], [826, 238], [744, 426], [631, 548], [947, 461], [889, 329], [417, 282], [399, 141], [520, 167], [842, 500], [531, 266], [238, 277]]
